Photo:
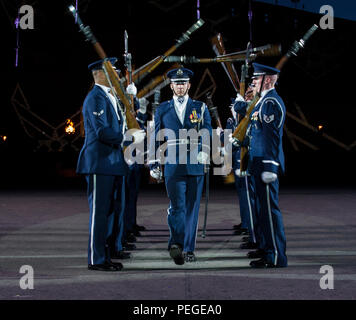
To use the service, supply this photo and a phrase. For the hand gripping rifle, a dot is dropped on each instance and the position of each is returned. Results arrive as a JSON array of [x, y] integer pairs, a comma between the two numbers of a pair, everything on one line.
[[240, 131], [143, 71], [110, 73]]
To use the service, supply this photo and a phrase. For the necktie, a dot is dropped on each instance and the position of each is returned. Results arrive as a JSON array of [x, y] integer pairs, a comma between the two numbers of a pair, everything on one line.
[[180, 100]]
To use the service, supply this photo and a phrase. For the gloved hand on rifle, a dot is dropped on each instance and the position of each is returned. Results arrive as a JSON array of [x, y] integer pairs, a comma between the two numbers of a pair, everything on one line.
[[131, 89], [143, 105], [156, 173], [241, 174], [202, 157], [268, 177], [235, 142]]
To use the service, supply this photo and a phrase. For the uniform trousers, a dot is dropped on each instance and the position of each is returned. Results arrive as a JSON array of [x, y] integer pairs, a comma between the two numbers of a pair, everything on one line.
[[271, 222], [184, 193], [106, 197]]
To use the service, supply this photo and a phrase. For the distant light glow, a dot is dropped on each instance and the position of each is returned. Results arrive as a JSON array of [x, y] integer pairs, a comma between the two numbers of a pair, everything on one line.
[[69, 129], [320, 127]]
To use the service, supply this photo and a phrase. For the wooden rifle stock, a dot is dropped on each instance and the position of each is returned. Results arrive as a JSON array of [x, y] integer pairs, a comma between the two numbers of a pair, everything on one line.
[[153, 64], [115, 82], [112, 76], [154, 83], [268, 50], [219, 49]]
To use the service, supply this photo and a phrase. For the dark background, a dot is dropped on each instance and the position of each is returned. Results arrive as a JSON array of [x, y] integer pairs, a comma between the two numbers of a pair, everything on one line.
[[53, 75]]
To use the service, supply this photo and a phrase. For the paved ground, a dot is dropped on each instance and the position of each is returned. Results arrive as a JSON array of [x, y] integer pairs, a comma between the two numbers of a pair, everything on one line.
[[48, 230]]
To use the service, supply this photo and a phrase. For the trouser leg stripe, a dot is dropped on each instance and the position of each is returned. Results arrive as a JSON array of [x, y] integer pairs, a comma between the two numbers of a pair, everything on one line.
[[92, 221], [271, 225], [250, 211]]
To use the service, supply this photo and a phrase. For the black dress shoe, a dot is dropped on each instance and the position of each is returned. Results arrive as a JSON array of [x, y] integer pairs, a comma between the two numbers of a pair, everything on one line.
[[104, 267], [176, 254], [117, 265], [237, 226], [249, 245], [262, 263], [139, 228], [128, 246], [130, 238], [241, 232], [136, 233], [120, 255], [190, 256], [246, 239], [259, 253]]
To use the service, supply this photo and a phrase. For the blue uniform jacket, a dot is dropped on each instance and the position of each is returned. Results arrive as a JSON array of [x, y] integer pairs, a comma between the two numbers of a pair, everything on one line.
[[166, 117], [102, 152], [265, 132]]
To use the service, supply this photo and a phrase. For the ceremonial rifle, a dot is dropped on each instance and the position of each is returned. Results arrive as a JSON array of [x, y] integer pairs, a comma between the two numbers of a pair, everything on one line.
[[110, 73], [219, 49], [265, 51], [240, 131], [143, 71], [155, 82], [244, 73], [128, 63], [212, 109], [214, 113], [156, 102]]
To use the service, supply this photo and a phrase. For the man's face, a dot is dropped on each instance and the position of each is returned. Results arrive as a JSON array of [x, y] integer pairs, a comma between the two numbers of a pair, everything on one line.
[[256, 84], [180, 88]]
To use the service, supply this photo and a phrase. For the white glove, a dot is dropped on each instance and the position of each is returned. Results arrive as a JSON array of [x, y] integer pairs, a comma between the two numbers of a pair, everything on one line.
[[268, 177], [233, 140], [239, 97], [219, 131], [156, 173], [237, 172], [139, 136], [143, 105], [202, 157], [131, 89]]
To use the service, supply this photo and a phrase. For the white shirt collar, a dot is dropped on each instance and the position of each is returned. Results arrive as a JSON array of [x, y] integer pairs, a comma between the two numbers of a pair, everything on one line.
[[184, 102], [105, 88], [264, 92]]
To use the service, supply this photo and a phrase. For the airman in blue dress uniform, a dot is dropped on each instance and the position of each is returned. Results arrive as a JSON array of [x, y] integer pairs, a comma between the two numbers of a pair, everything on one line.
[[266, 163], [183, 179], [102, 161]]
